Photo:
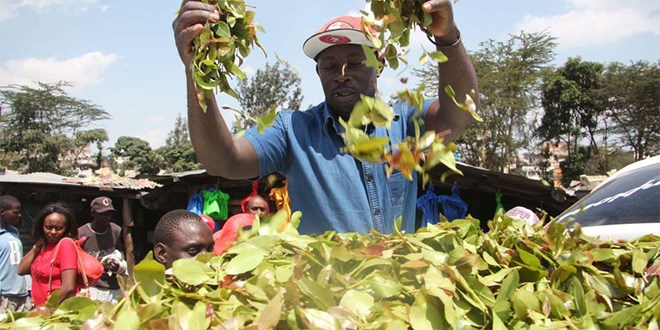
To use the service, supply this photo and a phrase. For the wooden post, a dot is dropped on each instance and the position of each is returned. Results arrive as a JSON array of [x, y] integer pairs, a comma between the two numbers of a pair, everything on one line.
[[127, 222]]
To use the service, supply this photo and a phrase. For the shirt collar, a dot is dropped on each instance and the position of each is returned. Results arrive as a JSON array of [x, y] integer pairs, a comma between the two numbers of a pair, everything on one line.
[[330, 121]]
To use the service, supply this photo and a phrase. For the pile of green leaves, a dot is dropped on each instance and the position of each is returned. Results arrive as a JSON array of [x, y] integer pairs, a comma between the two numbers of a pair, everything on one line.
[[221, 48], [452, 275]]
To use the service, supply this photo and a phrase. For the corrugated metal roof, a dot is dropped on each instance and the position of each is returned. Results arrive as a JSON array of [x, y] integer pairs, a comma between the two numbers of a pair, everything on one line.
[[37, 178], [112, 182]]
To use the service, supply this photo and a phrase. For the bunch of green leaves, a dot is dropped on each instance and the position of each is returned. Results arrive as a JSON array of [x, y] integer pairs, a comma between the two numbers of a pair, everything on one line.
[[449, 275], [221, 48], [419, 153], [392, 22]]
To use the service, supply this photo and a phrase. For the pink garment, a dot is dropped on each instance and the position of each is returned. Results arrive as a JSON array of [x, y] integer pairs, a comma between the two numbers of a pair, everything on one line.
[[41, 270], [229, 232]]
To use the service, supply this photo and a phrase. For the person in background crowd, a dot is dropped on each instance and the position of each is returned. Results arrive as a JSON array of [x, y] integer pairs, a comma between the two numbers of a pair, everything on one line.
[[180, 234], [13, 291], [257, 205], [333, 190], [104, 241], [252, 205], [54, 222]]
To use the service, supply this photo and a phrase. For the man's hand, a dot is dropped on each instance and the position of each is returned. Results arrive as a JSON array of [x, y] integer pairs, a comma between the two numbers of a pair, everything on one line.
[[443, 26], [189, 23], [112, 266]]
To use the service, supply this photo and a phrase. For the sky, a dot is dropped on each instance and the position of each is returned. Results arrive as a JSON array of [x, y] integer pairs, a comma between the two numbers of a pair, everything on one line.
[[120, 54]]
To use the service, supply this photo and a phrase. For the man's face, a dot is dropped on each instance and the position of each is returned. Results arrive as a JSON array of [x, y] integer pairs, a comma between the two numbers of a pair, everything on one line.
[[12, 214], [191, 239], [257, 205], [345, 76], [103, 219]]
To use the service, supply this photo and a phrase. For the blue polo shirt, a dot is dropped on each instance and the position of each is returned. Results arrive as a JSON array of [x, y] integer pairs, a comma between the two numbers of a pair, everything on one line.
[[333, 190], [11, 253]]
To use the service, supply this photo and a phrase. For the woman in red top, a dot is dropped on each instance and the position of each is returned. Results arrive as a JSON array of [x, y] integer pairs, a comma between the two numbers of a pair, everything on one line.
[[55, 222]]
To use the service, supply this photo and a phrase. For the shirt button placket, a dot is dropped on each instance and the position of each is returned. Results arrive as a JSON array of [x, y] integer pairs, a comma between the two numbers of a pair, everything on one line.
[[372, 196]]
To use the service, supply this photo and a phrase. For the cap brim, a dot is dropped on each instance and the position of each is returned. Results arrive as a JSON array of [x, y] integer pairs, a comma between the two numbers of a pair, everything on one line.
[[313, 45], [105, 209]]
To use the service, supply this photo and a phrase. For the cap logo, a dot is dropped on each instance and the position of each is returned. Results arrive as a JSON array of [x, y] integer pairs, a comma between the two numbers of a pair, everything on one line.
[[105, 202], [334, 39]]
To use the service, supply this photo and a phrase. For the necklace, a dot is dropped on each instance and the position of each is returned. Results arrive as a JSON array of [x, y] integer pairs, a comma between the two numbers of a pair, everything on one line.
[[96, 232]]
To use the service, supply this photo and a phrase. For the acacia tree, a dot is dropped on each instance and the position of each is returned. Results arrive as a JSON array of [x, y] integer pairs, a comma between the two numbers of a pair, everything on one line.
[[271, 86], [42, 127], [573, 105], [633, 106], [509, 76], [178, 153], [135, 154]]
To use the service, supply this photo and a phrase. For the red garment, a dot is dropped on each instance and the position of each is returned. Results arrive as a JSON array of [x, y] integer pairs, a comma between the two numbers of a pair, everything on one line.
[[229, 232], [40, 269]]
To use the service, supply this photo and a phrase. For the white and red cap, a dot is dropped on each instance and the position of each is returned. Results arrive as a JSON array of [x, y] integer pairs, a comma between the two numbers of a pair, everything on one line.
[[338, 31], [523, 214]]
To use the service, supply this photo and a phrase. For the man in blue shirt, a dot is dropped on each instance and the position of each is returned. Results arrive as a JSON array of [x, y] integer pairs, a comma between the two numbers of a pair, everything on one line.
[[13, 292], [333, 190]]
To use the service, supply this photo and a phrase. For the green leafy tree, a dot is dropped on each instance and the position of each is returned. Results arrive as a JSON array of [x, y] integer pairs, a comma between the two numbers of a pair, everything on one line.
[[573, 105], [135, 154], [509, 75], [43, 127], [272, 85], [178, 153], [633, 106]]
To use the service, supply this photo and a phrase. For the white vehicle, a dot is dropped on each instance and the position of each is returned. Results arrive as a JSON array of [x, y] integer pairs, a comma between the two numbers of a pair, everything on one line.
[[624, 206]]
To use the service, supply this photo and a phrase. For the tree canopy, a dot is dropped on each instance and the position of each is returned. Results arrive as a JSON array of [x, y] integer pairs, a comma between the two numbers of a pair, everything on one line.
[[274, 85], [44, 128], [509, 75]]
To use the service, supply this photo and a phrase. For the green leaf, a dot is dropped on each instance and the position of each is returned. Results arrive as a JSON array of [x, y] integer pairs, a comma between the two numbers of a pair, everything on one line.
[[450, 91], [639, 261], [197, 318], [424, 315], [244, 263], [529, 259], [76, 303], [371, 59], [127, 318], [438, 56], [509, 286], [271, 314], [320, 295], [358, 302], [150, 274], [222, 29], [267, 121], [320, 320], [383, 287], [191, 271]]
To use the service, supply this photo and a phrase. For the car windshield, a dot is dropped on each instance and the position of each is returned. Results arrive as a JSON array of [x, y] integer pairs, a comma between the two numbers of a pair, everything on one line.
[[633, 197]]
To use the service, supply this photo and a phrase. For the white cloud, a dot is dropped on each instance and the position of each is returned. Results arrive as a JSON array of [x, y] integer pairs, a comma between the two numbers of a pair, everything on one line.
[[84, 71], [12, 8], [597, 22]]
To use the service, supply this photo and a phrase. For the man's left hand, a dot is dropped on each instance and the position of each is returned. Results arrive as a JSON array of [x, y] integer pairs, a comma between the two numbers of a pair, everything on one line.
[[443, 26]]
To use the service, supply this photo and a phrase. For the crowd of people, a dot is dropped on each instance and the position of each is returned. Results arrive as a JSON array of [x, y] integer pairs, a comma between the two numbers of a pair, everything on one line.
[[305, 146], [28, 280]]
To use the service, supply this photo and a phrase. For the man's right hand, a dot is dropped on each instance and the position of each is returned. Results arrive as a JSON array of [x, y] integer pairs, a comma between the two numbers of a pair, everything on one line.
[[189, 24]]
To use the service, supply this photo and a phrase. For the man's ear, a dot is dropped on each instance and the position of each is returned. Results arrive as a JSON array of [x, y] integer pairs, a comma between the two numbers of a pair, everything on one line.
[[160, 253]]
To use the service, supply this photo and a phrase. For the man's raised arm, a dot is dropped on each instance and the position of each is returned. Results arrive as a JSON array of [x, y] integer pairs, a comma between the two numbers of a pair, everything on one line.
[[457, 72], [216, 148]]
